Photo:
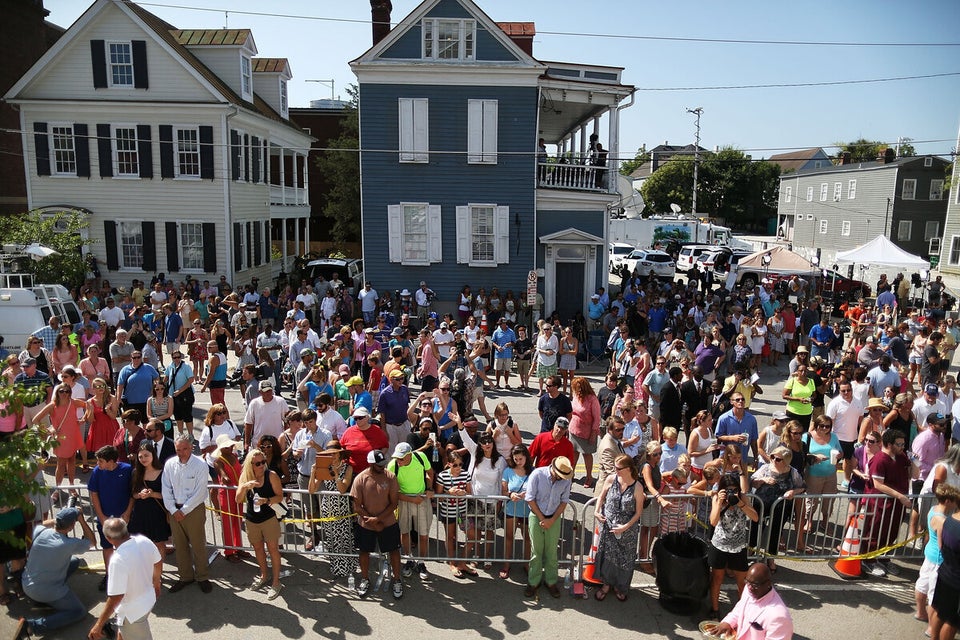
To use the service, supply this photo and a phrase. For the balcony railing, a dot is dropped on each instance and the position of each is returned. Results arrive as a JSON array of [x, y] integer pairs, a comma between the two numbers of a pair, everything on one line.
[[576, 177], [287, 195]]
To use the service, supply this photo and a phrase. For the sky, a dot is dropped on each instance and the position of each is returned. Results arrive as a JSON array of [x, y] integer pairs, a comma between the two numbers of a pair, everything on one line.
[[325, 36]]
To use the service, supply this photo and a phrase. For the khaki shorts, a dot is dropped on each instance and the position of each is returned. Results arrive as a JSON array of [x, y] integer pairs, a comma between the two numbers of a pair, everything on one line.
[[268, 531], [502, 364], [415, 516]]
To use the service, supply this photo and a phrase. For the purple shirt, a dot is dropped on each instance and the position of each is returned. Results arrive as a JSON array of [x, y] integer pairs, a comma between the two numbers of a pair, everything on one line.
[[392, 405], [929, 447], [706, 357]]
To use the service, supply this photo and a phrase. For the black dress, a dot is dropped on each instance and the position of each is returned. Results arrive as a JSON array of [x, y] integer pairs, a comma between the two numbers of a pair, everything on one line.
[[148, 517]]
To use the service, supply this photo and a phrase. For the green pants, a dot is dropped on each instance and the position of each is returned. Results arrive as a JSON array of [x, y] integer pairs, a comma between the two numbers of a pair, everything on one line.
[[543, 551]]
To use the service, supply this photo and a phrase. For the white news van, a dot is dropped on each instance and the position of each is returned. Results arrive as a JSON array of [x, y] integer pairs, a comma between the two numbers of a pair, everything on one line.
[[25, 307]]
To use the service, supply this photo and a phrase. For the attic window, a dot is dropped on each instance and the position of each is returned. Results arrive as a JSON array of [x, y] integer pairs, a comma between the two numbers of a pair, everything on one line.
[[121, 64], [445, 39], [246, 78], [284, 109]]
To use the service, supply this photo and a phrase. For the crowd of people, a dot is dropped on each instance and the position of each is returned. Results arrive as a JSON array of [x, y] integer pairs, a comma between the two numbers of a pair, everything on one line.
[[672, 417]]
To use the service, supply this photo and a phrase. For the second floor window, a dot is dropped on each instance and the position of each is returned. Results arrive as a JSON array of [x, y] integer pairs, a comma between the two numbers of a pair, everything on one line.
[[191, 246], [936, 189], [121, 64], [909, 189], [131, 245], [445, 39], [187, 153], [126, 159], [64, 153]]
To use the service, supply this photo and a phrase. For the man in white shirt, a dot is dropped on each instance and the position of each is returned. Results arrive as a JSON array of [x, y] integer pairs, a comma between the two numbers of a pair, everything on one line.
[[846, 412], [929, 402], [184, 489], [264, 416], [327, 418], [443, 338], [133, 585], [424, 297], [308, 299], [312, 336], [111, 315]]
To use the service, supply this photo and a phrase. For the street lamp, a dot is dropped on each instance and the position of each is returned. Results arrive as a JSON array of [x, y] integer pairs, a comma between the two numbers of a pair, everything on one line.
[[698, 111]]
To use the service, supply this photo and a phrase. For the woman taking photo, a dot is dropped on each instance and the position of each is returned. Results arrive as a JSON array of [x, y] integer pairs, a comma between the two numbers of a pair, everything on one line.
[[730, 515], [148, 517], [336, 524], [618, 519], [160, 407], [506, 433], [515, 511], [798, 392], [258, 490], [584, 425]]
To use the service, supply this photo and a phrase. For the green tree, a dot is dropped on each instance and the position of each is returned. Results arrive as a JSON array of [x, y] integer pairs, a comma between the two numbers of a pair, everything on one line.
[[61, 232], [863, 150], [341, 173], [671, 183], [629, 166]]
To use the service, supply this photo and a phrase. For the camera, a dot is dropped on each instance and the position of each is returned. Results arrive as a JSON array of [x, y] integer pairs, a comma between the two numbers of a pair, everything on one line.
[[733, 497]]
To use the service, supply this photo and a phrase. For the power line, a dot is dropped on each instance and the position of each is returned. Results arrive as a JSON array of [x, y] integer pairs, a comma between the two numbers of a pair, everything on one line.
[[622, 36], [800, 84]]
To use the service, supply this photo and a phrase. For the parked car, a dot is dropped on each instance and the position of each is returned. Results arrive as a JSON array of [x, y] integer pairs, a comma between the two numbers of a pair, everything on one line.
[[617, 252], [350, 271], [720, 259], [689, 253], [646, 260]]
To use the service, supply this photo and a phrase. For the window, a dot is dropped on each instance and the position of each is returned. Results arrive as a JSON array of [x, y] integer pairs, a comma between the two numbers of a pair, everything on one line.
[[809, 194], [851, 190], [482, 131], [483, 235], [418, 225], [928, 162], [788, 195], [126, 161], [445, 39], [121, 64], [844, 227], [191, 246], [246, 78], [187, 153], [823, 226], [284, 107], [837, 191], [954, 257], [909, 189], [131, 245], [931, 229], [904, 230], [64, 153], [414, 235], [414, 130], [818, 164], [823, 191], [936, 189]]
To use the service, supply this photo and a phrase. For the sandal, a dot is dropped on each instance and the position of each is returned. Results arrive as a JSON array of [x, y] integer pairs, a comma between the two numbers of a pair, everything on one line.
[[622, 597], [457, 573], [601, 594], [504, 574], [7, 597]]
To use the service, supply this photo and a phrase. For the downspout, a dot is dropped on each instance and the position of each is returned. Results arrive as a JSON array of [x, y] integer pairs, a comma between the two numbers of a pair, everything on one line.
[[228, 228]]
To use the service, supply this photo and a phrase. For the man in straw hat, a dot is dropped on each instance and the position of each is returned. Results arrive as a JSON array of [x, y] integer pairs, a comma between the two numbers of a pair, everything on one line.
[[548, 493]]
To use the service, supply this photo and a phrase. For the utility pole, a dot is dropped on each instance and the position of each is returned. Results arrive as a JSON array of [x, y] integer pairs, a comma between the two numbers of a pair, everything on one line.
[[696, 158]]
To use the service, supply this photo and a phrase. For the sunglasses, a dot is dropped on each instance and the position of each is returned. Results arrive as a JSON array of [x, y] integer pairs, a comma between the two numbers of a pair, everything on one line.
[[260, 463], [870, 440], [776, 458], [824, 427], [64, 392], [737, 400]]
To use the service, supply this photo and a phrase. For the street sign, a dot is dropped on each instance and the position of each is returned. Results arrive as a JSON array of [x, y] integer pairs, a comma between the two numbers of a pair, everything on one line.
[[532, 287]]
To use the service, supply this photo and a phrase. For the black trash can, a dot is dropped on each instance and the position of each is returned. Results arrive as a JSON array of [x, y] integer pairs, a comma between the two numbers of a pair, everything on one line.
[[683, 573]]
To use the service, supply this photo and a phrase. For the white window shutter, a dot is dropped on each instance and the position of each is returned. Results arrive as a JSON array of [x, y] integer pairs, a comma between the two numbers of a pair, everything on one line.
[[463, 235], [421, 129], [490, 109], [474, 130], [434, 234], [501, 228], [405, 108], [395, 232]]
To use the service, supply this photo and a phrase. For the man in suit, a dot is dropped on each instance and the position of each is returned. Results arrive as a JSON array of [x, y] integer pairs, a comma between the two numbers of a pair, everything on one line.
[[671, 404], [718, 402], [608, 450], [694, 393], [165, 446]]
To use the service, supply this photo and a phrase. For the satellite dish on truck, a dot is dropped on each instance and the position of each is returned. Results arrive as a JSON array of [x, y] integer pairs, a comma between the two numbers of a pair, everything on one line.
[[675, 207]]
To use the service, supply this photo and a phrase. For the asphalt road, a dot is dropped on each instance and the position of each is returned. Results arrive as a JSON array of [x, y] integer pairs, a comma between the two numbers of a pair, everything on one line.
[[313, 605]]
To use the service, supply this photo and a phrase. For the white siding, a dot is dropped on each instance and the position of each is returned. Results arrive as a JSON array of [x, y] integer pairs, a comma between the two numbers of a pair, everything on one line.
[[223, 61]]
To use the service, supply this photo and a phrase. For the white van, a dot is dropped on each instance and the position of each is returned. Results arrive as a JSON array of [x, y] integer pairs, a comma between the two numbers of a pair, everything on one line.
[[25, 307], [689, 254]]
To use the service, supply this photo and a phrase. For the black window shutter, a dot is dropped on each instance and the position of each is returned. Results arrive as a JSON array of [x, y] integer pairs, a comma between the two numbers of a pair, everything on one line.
[[246, 158], [104, 150], [166, 150], [110, 239], [173, 259], [249, 244], [209, 247], [257, 243], [234, 154], [149, 235], [98, 58], [145, 150], [139, 50], [206, 153], [269, 247], [255, 152], [81, 145], [237, 247], [42, 150]]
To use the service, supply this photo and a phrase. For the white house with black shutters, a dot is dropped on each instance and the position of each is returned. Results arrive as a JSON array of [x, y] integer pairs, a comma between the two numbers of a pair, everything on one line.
[[176, 143]]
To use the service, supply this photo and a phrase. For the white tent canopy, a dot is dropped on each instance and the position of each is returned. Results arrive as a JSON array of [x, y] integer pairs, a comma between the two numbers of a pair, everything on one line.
[[882, 251]]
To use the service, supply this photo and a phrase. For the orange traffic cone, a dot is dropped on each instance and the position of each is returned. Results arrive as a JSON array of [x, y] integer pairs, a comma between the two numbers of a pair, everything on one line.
[[589, 567], [845, 566], [483, 323]]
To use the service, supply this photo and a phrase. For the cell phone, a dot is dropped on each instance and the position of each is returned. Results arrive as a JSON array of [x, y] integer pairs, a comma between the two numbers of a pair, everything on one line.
[[510, 422]]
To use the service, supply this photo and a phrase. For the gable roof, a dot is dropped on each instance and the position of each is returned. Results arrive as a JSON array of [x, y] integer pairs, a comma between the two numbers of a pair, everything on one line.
[[195, 37], [793, 160], [866, 166], [270, 65]]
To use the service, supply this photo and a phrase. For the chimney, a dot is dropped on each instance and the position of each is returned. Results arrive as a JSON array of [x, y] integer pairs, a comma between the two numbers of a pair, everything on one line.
[[380, 16], [521, 33], [889, 156], [845, 157]]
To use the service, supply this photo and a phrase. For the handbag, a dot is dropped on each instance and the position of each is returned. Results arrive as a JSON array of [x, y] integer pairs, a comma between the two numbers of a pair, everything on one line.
[[281, 510]]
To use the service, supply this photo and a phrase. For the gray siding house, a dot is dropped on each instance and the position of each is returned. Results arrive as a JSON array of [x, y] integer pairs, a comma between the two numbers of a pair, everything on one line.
[[454, 190], [842, 206], [950, 251]]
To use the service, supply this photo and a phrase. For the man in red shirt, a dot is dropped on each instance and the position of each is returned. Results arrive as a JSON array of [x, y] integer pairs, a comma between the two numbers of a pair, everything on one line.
[[362, 438], [552, 444]]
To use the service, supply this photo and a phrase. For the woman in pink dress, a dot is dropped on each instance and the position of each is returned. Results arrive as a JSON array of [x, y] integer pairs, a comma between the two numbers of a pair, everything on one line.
[[90, 338], [64, 353], [584, 424], [103, 427], [93, 366], [65, 427], [228, 466]]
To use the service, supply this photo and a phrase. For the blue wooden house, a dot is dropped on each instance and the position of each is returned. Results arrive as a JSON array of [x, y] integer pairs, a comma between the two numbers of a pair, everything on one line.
[[454, 187]]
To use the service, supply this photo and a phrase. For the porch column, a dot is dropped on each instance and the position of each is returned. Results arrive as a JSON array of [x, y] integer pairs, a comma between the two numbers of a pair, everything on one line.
[[583, 142], [613, 153], [306, 235], [283, 179], [296, 233], [306, 179], [283, 239]]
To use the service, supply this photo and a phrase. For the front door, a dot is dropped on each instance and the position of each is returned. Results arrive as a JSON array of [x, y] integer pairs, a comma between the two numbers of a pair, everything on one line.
[[569, 292]]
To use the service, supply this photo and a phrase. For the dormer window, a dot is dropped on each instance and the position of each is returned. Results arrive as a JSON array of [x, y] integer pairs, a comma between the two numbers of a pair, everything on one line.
[[284, 109], [446, 39], [246, 78], [121, 65]]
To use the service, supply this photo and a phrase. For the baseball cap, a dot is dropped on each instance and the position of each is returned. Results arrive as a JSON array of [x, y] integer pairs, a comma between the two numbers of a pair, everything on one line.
[[354, 381], [397, 373], [307, 352], [68, 517], [403, 449], [444, 325], [361, 412], [266, 384], [343, 370], [932, 389], [779, 415], [376, 457]]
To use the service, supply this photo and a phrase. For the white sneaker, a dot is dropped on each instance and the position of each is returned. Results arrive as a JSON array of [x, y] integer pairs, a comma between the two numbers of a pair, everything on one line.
[[363, 588], [397, 589], [874, 569]]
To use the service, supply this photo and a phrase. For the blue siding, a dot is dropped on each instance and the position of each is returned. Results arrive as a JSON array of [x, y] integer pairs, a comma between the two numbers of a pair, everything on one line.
[[408, 46], [447, 180], [587, 221]]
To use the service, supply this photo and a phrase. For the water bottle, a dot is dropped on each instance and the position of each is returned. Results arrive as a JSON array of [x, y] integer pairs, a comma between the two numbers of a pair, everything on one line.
[[352, 582], [436, 454], [256, 505]]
